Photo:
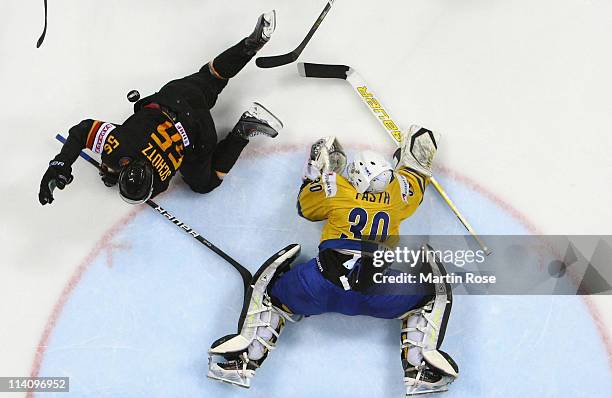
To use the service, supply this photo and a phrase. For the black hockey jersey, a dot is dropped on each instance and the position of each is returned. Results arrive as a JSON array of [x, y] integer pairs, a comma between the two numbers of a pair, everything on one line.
[[148, 134]]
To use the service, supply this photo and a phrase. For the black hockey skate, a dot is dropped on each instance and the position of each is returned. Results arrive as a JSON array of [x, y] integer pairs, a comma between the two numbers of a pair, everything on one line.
[[262, 33], [257, 121]]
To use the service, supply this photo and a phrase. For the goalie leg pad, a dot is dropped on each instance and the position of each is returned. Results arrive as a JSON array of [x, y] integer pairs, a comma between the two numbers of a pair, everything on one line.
[[260, 326], [428, 369]]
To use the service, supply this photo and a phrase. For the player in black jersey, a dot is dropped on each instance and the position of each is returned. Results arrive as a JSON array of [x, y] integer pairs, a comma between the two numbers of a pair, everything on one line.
[[171, 130]]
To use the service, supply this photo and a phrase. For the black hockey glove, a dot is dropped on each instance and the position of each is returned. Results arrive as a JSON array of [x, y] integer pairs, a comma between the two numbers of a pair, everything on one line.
[[59, 174], [108, 177]]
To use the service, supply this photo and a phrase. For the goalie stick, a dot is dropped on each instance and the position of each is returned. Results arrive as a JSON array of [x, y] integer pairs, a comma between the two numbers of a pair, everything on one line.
[[244, 273], [361, 87], [279, 60]]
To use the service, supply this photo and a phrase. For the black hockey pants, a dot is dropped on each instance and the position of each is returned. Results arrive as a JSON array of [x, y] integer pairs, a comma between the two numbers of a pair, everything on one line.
[[191, 99]]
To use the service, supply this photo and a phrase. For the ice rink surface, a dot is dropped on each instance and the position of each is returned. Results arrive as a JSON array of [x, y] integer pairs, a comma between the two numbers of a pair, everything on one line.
[[125, 305]]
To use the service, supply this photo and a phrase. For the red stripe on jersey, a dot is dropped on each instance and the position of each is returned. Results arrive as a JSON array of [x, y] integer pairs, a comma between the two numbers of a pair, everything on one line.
[[92, 134]]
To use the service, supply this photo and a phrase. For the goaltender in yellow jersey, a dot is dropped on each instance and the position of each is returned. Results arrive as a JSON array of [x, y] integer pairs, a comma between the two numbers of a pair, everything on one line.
[[373, 199], [354, 215], [368, 202]]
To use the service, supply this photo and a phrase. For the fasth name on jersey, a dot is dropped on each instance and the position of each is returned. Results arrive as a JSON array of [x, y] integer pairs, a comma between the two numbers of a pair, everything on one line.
[[380, 197], [331, 189]]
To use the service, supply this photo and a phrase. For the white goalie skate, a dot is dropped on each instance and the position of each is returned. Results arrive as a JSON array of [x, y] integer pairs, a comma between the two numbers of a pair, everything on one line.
[[261, 325]]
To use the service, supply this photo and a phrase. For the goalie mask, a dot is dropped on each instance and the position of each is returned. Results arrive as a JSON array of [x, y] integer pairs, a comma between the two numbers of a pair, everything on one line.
[[136, 182], [370, 172]]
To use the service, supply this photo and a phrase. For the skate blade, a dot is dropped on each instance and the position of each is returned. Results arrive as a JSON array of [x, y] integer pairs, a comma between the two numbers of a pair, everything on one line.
[[264, 114], [423, 392], [242, 384], [412, 394], [416, 390]]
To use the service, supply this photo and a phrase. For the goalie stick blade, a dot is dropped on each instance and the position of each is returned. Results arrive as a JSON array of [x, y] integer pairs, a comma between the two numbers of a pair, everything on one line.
[[323, 71], [276, 60]]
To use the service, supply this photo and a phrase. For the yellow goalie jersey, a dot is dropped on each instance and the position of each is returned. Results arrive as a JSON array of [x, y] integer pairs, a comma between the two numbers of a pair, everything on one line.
[[352, 216]]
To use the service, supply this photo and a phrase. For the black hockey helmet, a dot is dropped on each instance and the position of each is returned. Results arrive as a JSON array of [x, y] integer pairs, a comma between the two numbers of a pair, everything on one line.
[[136, 182]]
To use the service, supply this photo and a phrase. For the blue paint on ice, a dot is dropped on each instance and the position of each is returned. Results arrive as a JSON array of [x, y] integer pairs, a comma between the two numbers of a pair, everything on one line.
[[141, 328]]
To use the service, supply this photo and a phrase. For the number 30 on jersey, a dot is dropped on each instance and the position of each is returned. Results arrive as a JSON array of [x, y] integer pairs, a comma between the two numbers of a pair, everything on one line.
[[358, 218]]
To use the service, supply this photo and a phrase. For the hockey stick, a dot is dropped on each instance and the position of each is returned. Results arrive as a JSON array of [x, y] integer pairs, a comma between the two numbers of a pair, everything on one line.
[[376, 108], [244, 273], [279, 60], [44, 33]]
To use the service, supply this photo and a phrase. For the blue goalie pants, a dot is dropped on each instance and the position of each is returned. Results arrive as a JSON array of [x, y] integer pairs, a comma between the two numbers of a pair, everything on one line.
[[305, 291]]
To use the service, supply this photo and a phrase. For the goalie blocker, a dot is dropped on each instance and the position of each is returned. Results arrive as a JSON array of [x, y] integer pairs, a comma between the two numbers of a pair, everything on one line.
[[326, 156]]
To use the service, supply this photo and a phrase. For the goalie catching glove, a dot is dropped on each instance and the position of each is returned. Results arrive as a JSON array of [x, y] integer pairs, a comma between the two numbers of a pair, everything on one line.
[[417, 150], [326, 156]]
